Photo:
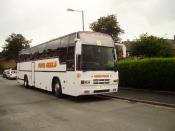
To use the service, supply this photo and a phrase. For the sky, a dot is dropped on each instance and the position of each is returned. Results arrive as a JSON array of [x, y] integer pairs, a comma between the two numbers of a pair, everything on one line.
[[42, 20]]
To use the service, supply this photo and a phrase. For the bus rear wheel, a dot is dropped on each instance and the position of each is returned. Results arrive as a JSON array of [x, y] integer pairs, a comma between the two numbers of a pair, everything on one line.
[[26, 83], [57, 88]]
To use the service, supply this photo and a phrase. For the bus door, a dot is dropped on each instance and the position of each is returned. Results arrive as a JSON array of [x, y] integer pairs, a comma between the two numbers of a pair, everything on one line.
[[33, 74]]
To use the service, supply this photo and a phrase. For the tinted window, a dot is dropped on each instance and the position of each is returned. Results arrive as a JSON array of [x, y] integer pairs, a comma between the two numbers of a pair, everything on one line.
[[97, 58], [70, 58]]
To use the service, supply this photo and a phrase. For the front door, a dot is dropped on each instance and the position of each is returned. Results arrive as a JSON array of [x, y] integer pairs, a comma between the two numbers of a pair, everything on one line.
[[33, 74]]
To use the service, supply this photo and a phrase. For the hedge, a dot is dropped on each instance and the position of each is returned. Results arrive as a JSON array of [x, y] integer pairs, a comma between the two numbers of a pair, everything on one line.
[[149, 73]]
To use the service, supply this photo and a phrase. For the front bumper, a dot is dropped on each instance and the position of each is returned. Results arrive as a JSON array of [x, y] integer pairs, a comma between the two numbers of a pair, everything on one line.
[[93, 90], [12, 77]]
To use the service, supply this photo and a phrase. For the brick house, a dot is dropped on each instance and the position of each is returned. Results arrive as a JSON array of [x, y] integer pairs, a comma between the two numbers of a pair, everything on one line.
[[7, 63]]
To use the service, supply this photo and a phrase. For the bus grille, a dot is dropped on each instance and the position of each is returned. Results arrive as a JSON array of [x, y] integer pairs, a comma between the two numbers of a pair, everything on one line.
[[101, 81]]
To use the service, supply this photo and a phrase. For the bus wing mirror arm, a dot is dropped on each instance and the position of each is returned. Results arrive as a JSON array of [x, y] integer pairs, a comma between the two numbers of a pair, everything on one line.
[[78, 47]]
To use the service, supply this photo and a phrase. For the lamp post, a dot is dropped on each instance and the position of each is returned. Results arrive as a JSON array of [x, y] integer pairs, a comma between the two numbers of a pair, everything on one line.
[[82, 12]]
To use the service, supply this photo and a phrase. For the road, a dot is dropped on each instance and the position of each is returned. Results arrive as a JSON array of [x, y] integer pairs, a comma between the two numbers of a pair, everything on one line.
[[36, 110]]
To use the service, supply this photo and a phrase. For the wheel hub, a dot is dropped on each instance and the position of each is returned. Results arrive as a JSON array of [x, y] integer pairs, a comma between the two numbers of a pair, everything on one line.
[[57, 87]]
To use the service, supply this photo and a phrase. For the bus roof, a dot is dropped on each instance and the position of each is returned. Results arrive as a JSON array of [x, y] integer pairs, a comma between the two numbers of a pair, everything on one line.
[[86, 37]]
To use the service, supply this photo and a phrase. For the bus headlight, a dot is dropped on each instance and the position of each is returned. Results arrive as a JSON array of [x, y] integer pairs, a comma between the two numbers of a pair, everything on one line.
[[78, 75], [85, 82]]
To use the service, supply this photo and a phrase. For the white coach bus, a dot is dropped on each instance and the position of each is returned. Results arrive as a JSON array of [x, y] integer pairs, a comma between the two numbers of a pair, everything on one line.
[[80, 63]]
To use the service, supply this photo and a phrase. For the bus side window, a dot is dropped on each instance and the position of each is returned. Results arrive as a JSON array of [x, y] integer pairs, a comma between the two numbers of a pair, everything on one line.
[[20, 58], [55, 53], [70, 59], [43, 55], [62, 54]]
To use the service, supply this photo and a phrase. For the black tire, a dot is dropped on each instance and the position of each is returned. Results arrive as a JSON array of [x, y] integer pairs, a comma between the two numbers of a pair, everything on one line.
[[26, 82], [57, 90]]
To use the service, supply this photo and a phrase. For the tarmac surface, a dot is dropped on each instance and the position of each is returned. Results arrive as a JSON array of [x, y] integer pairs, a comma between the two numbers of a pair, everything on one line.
[[36, 110]]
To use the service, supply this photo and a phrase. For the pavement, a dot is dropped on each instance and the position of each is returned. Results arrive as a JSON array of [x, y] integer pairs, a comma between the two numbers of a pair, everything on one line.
[[162, 98], [37, 110]]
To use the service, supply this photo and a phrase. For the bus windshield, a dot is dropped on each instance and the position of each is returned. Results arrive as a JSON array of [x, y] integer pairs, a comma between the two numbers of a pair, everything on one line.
[[97, 58]]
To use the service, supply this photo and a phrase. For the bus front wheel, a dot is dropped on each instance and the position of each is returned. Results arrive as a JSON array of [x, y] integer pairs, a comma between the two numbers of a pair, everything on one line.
[[57, 88]]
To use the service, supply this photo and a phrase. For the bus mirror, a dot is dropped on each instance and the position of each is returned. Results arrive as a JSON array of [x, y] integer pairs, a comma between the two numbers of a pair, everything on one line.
[[78, 48], [123, 49], [115, 66]]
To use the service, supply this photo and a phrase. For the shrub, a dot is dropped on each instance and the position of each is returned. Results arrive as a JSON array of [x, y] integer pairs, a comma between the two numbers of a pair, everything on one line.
[[149, 73], [151, 46]]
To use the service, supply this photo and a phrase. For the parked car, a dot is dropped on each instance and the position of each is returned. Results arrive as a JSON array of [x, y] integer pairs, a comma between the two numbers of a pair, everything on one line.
[[4, 75], [11, 74]]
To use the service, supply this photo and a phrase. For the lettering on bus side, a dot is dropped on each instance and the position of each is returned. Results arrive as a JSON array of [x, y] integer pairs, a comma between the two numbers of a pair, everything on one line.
[[47, 65], [51, 64], [41, 65]]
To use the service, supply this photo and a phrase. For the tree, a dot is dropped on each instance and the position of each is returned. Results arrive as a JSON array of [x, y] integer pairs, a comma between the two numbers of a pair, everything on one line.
[[13, 44], [151, 46], [108, 25], [0, 54]]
